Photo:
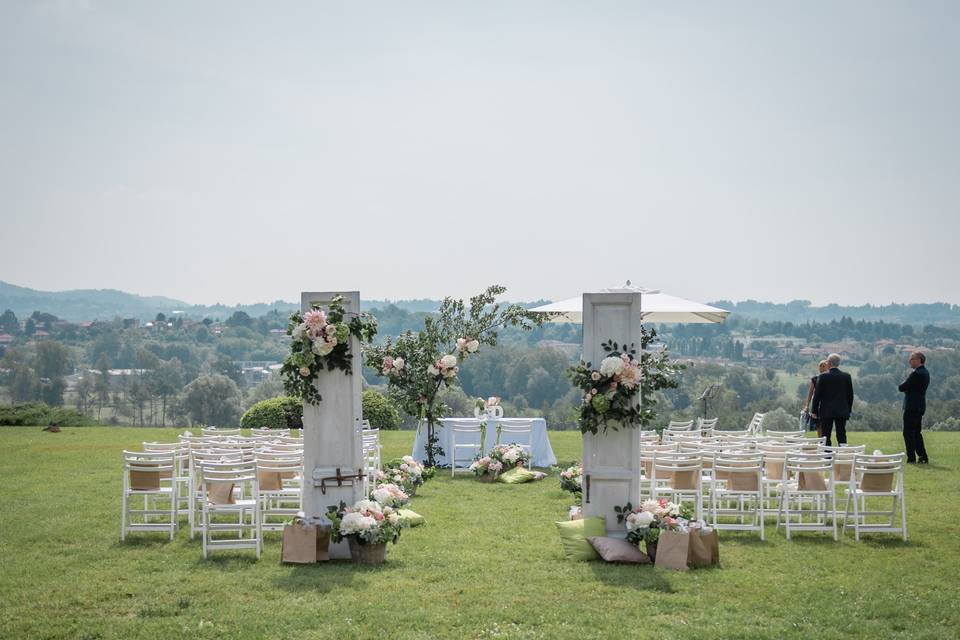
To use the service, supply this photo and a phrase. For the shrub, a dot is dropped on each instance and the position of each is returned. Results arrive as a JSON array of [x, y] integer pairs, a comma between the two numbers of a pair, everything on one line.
[[949, 424], [378, 409], [284, 412], [40, 414]]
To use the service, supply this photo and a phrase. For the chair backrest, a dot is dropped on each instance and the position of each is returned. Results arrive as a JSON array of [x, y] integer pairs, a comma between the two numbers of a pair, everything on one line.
[[145, 470], [683, 469], [742, 471], [272, 468], [680, 425], [463, 426], [707, 424], [780, 435], [756, 423], [810, 469], [278, 447], [218, 479], [843, 460], [215, 431], [269, 432], [877, 473]]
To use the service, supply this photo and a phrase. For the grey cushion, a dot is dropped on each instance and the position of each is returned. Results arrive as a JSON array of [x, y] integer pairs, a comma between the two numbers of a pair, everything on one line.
[[617, 550]]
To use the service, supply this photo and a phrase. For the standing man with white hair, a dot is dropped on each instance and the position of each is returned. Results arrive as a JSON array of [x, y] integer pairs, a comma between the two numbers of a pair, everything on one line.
[[914, 405], [833, 400]]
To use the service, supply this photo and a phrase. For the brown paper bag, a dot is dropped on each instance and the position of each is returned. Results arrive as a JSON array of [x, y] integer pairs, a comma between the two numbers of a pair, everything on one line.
[[300, 543], [811, 481], [704, 548], [877, 482], [144, 480], [323, 543], [269, 480], [220, 492], [673, 549]]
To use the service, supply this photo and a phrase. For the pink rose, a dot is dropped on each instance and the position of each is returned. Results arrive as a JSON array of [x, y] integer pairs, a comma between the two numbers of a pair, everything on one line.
[[305, 372]]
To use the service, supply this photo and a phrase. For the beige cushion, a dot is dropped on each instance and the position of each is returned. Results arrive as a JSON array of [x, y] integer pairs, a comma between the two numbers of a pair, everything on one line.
[[743, 481], [617, 550]]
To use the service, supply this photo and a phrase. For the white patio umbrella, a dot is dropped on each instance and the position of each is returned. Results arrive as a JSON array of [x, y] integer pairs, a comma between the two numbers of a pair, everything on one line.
[[654, 307]]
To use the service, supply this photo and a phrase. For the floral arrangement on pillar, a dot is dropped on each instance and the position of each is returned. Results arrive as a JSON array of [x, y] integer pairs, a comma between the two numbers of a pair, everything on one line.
[[321, 340], [610, 391], [418, 365]]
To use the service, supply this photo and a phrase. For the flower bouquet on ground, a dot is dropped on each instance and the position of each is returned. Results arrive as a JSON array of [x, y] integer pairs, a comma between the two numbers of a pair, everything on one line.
[[390, 495], [406, 472], [367, 526], [645, 523], [486, 468], [571, 479], [510, 455]]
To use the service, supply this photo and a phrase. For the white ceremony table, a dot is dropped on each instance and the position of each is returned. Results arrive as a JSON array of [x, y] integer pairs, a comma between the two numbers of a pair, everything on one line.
[[542, 451]]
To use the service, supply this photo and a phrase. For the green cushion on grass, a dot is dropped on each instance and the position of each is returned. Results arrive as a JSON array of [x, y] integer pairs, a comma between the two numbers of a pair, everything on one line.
[[574, 534], [413, 518], [516, 475]]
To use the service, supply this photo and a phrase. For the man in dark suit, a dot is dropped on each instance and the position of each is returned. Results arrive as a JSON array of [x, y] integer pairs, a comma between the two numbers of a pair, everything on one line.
[[833, 400], [914, 404]]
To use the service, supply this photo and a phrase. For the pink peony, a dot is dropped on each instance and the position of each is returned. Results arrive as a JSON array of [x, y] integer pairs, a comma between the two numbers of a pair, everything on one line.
[[315, 319]]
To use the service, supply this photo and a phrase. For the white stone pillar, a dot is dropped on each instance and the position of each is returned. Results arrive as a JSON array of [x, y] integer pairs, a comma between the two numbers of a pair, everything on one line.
[[331, 429], [611, 459]]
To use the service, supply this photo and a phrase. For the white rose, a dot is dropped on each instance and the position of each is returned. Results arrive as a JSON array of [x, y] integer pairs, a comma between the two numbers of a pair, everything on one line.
[[461, 344], [611, 366], [432, 370], [322, 348], [473, 345], [448, 361], [298, 331], [330, 329], [398, 363], [368, 505]]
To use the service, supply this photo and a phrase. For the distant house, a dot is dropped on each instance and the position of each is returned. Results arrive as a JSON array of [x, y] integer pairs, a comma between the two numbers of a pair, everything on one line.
[[6, 338]]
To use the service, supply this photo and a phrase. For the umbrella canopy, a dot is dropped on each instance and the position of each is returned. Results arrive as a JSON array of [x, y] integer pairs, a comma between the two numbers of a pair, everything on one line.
[[654, 307]]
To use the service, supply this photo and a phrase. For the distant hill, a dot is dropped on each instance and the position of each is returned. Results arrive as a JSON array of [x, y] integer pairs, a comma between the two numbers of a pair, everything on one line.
[[801, 311], [81, 305]]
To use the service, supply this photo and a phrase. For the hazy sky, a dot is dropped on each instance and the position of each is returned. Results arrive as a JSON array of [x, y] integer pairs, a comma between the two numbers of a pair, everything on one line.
[[242, 151]]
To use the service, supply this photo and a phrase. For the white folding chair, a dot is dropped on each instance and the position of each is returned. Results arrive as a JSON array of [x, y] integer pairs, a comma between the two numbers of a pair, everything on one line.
[[519, 432], [648, 451], [181, 470], [680, 425], [876, 477], [280, 485], [149, 475], [843, 463], [220, 483], [811, 494], [371, 449], [783, 435], [463, 436], [197, 458], [706, 426], [679, 476], [276, 433], [217, 431], [736, 490]]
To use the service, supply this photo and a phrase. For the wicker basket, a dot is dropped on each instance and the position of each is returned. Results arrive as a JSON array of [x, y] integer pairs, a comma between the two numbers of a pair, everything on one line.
[[487, 477], [367, 554]]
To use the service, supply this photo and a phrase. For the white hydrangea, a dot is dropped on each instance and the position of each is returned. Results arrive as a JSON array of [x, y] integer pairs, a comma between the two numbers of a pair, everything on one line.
[[473, 345], [448, 361], [611, 366], [639, 520], [354, 523], [368, 505]]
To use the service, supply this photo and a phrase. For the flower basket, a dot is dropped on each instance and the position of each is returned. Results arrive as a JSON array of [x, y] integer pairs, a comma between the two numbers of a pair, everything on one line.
[[487, 477], [367, 554]]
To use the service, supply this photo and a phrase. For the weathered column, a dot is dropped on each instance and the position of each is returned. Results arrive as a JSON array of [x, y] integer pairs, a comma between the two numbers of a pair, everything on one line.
[[611, 459], [331, 429]]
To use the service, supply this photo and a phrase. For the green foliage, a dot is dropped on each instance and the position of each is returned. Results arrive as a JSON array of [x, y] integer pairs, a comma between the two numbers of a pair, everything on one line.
[[39, 413], [284, 412], [415, 386], [379, 410], [213, 400]]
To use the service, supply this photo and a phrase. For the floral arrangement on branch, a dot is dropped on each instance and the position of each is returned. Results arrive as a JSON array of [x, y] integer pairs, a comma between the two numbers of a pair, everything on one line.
[[418, 365], [390, 495], [321, 340], [368, 521], [610, 392], [571, 479], [645, 523]]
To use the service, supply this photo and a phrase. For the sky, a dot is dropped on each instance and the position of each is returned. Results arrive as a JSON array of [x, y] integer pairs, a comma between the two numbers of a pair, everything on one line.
[[239, 152]]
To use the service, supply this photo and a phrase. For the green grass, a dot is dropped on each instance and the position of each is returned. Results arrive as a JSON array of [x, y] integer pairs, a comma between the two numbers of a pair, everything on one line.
[[486, 565]]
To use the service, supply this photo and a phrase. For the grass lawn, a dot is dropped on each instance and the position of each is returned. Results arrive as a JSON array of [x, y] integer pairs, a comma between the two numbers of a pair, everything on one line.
[[487, 565]]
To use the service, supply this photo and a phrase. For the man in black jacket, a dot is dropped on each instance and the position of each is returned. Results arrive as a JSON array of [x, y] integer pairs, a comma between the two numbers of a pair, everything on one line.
[[914, 404], [833, 400]]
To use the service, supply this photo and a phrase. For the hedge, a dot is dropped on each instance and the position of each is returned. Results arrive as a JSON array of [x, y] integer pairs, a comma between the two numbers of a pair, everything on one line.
[[284, 412], [41, 414], [378, 409]]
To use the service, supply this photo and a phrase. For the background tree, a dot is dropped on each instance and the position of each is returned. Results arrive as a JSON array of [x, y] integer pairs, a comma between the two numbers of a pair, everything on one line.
[[166, 383], [9, 323], [212, 400], [52, 363], [431, 356]]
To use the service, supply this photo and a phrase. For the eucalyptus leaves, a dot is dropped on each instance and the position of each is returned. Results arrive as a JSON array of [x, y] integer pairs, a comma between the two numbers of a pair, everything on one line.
[[321, 340]]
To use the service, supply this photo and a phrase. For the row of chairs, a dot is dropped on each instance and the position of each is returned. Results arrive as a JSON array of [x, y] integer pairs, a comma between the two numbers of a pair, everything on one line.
[[796, 481], [225, 482]]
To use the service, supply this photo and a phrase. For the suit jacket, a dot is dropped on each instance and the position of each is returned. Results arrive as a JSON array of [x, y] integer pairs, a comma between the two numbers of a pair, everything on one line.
[[915, 388], [833, 397]]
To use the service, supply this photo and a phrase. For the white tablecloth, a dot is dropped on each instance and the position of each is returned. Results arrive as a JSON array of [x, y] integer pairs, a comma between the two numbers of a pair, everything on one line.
[[542, 451]]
